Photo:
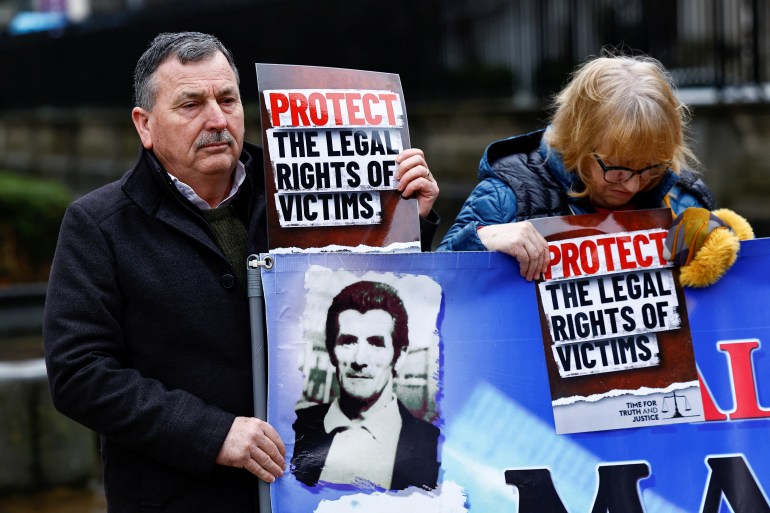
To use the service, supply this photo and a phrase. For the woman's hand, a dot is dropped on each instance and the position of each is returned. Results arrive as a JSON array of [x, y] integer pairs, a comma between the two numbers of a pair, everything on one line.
[[523, 242]]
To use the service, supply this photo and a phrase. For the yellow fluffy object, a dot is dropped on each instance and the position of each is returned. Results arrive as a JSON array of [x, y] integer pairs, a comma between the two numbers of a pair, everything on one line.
[[719, 251]]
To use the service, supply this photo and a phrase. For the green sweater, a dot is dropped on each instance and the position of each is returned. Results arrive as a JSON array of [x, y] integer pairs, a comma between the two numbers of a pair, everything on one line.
[[231, 236]]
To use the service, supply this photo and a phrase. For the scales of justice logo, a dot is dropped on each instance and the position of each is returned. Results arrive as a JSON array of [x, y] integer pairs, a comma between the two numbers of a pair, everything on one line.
[[665, 407]]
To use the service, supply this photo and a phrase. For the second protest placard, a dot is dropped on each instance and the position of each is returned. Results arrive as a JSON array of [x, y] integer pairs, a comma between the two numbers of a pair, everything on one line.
[[614, 322]]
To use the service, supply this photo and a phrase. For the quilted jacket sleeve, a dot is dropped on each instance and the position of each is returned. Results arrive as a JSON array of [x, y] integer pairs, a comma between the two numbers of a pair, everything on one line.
[[491, 202]]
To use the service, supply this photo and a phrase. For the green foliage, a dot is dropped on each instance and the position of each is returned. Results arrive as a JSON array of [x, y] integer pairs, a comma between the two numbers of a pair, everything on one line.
[[30, 214]]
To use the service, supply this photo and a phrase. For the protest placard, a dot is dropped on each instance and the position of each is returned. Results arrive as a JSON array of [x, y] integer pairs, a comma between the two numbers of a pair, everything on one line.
[[614, 324], [330, 140]]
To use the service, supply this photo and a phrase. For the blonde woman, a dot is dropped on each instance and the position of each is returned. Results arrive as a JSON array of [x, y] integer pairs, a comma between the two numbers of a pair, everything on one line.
[[616, 141]]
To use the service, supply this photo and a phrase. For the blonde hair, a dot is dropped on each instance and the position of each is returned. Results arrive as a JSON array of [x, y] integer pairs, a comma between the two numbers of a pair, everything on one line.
[[627, 102]]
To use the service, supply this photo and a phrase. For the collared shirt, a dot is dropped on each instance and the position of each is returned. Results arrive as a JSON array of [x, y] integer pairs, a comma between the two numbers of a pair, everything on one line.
[[189, 193], [364, 450]]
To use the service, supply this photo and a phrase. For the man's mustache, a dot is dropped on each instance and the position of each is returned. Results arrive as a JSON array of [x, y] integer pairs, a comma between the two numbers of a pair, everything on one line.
[[358, 375], [207, 138]]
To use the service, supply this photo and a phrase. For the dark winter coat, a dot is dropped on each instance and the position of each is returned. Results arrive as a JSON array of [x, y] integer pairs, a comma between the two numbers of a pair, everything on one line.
[[147, 339]]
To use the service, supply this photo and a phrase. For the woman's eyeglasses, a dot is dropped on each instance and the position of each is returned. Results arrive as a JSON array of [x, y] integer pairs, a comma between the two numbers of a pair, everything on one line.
[[620, 174]]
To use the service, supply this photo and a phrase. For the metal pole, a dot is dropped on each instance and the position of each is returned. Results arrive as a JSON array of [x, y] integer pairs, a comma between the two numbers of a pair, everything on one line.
[[258, 360]]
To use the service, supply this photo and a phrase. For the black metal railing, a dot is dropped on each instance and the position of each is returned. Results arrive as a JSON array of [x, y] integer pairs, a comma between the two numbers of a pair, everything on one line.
[[704, 43], [441, 48]]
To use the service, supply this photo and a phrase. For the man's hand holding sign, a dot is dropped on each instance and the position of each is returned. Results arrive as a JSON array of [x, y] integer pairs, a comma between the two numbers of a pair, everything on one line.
[[414, 179]]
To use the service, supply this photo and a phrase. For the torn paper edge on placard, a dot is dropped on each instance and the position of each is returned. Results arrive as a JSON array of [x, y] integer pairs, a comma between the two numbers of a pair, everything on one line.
[[450, 497], [643, 391], [396, 247]]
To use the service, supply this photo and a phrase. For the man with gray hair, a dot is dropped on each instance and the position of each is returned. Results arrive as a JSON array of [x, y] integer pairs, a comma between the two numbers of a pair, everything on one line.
[[146, 328]]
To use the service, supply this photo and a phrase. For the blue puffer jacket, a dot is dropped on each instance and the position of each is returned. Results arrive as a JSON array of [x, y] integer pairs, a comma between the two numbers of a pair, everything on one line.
[[520, 178]]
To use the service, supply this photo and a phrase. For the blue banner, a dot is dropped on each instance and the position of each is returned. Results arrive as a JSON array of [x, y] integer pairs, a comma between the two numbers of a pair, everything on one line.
[[477, 373]]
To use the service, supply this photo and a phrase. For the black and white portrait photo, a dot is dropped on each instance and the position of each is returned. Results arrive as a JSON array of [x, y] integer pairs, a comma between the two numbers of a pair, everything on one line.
[[368, 415]]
